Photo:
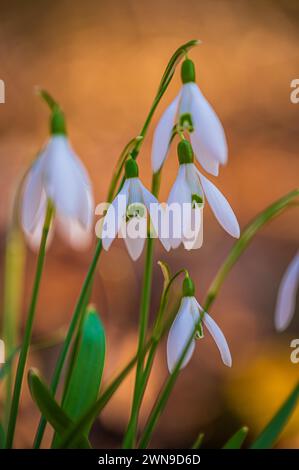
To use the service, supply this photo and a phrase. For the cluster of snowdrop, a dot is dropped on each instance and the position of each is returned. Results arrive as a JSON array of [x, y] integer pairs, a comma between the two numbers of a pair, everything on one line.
[[190, 114], [57, 175]]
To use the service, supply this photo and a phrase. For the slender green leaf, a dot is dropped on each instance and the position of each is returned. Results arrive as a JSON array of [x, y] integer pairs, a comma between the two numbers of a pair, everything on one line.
[[198, 441], [166, 273], [14, 269], [85, 377], [5, 368], [270, 434], [237, 439], [88, 367], [2, 437], [50, 408]]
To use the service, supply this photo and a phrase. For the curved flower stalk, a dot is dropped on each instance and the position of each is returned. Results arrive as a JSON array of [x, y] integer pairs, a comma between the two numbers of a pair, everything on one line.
[[188, 192], [191, 111], [286, 299], [127, 214], [58, 175], [190, 317]]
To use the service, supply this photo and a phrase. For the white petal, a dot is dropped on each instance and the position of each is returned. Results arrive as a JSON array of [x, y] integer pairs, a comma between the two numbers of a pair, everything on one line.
[[33, 195], [193, 180], [154, 209], [179, 335], [221, 208], [219, 339], [85, 207], [115, 216], [196, 242], [34, 236], [73, 233], [134, 245], [180, 194], [286, 299], [64, 181], [162, 135], [186, 99], [210, 136], [135, 191], [209, 164]]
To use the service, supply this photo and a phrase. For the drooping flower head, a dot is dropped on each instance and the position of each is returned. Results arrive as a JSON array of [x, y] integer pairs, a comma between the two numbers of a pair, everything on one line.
[[189, 324], [127, 214], [59, 176], [191, 188], [191, 111], [286, 299]]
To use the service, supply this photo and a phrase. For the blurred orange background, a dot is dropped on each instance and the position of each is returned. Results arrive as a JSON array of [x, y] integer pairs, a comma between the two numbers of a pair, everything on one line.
[[103, 61]]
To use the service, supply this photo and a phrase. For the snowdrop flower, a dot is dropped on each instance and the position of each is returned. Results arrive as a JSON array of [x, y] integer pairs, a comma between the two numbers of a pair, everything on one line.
[[127, 214], [286, 299], [192, 112], [190, 317], [58, 175], [190, 190]]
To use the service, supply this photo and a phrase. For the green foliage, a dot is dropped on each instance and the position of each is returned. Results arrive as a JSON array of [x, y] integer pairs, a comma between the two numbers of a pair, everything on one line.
[[50, 408], [87, 369], [270, 434], [237, 439]]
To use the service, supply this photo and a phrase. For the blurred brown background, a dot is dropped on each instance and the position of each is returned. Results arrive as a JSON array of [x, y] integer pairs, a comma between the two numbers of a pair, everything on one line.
[[103, 62]]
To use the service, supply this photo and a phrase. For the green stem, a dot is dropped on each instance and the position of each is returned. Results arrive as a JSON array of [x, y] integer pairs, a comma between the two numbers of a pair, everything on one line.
[[68, 338], [13, 289], [143, 322], [130, 436], [239, 247], [198, 441], [28, 330], [156, 336], [15, 254]]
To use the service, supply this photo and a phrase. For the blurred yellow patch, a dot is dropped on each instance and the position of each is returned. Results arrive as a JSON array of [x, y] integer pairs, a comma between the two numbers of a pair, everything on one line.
[[259, 387]]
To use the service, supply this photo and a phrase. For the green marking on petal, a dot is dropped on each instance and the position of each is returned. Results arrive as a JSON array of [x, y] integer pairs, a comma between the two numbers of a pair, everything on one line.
[[185, 152], [196, 200], [199, 332], [136, 209], [186, 122]]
